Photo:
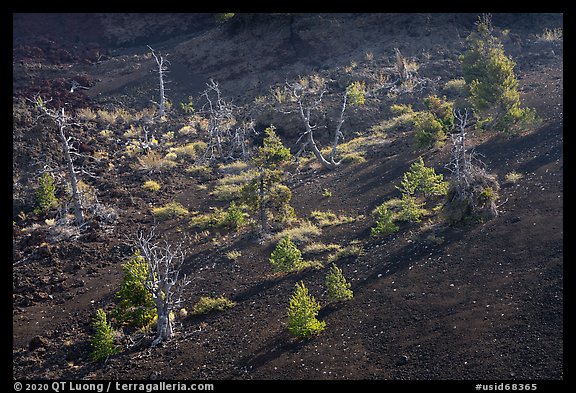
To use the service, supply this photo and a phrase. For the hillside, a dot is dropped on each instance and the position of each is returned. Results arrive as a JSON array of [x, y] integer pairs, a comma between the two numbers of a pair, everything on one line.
[[482, 301]]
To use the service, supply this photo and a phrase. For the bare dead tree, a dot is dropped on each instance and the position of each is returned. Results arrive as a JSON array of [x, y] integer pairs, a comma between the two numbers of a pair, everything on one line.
[[306, 97], [76, 85], [472, 189], [162, 64], [227, 135], [402, 66], [164, 280], [63, 121]]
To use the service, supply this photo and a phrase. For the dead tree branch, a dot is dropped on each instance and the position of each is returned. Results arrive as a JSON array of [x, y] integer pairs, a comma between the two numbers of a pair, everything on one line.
[[164, 281], [162, 64]]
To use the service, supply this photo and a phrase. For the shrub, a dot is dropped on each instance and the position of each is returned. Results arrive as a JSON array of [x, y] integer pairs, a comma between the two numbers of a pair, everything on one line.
[[455, 87], [384, 222], [151, 185], [45, 194], [337, 286], [356, 93], [136, 306], [207, 304], [264, 194], [410, 209], [102, 340], [286, 256], [169, 211], [443, 111], [429, 130], [187, 107], [493, 86], [421, 180], [475, 199], [234, 217], [302, 312]]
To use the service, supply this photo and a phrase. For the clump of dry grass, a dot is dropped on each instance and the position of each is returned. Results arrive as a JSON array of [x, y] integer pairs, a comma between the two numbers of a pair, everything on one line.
[[301, 234], [551, 35], [169, 211], [328, 218], [153, 162]]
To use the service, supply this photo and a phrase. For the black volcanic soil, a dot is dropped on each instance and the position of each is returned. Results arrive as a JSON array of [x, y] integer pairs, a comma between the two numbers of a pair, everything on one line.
[[485, 302]]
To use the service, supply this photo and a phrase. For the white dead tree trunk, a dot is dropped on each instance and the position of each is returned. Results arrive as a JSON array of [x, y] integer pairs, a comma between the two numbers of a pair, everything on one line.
[[164, 281], [469, 181], [162, 63], [308, 96], [227, 137], [62, 121]]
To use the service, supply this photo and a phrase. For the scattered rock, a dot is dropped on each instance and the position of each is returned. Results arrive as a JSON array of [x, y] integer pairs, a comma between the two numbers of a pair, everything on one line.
[[38, 342], [402, 360]]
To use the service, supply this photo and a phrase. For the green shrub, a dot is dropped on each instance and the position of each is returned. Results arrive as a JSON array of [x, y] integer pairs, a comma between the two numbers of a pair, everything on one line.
[[421, 180], [384, 222], [410, 209], [286, 256], [490, 76], [45, 194], [337, 286], [356, 93], [302, 312], [234, 217], [429, 131], [443, 111], [265, 195], [455, 87], [136, 306], [207, 304], [102, 340], [187, 107]]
